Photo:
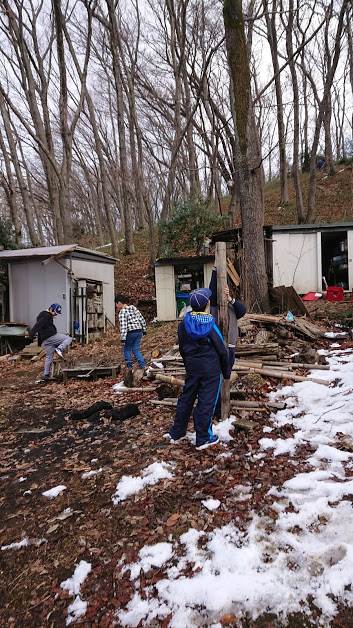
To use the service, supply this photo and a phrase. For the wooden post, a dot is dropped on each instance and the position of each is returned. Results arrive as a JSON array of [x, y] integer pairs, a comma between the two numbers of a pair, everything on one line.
[[221, 265]]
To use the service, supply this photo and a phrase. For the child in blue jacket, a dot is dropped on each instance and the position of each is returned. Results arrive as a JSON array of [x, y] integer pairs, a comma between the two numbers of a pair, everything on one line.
[[206, 363], [236, 310]]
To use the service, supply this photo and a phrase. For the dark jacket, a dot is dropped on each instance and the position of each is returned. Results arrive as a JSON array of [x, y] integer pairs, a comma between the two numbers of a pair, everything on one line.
[[238, 307], [44, 327], [201, 344]]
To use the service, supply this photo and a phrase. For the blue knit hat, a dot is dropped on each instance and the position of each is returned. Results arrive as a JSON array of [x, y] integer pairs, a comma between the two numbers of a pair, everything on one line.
[[199, 298]]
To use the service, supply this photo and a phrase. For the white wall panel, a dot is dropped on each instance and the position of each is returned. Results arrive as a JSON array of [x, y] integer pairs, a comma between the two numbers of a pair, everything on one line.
[[295, 261], [165, 293]]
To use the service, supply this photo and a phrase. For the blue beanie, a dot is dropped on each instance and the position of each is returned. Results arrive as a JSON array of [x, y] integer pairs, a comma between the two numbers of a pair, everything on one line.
[[199, 298]]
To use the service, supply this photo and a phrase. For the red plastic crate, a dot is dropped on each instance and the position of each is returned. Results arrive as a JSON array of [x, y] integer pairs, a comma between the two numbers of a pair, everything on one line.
[[335, 294]]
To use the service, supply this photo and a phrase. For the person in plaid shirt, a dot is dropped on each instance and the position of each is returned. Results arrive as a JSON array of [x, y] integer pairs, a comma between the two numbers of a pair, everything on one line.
[[132, 328]]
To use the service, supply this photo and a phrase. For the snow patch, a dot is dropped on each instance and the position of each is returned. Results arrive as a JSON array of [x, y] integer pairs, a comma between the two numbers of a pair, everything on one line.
[[151, 556], [223, 428], [54, 492], [275, 566], [76, 610], [91, 474], [73, 585], [17, 545], [211, 504], [130, 485]]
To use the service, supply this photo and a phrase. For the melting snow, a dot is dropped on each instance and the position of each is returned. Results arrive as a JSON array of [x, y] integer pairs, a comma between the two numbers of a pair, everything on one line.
[[151, 556], [211, 504], [73, 585], [91, 474], [130, 485], [18, 545], [275, 566], [54, 492]]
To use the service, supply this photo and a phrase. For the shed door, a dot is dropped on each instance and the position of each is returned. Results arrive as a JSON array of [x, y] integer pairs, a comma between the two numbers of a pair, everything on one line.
[[165, 293], [334, 255], [350, 259], [33, 287]]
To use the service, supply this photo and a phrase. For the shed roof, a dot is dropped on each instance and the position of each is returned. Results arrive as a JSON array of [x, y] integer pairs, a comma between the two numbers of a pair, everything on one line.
[[53, 251], [175, 261], [229, 234]]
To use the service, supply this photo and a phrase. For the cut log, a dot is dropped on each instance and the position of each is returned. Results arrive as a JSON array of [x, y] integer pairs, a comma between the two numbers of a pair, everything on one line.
[[262, 337], [259, 404], [298, 365], [125, 389], [251, 349], [244, 424], [163, 402], [282, 375], [169, 379]]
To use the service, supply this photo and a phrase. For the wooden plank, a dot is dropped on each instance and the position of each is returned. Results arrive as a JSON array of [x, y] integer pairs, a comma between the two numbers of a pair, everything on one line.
[[221, 265], [288, 299], [233, 273], [284, 375]]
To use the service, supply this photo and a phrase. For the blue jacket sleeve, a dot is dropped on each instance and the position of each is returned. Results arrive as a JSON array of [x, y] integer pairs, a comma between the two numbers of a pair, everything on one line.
[[239, 308], [218, 342]]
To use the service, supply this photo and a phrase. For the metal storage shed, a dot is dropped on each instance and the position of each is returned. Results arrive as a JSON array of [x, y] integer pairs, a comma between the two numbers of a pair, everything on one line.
[[304, 256], [80, 279]]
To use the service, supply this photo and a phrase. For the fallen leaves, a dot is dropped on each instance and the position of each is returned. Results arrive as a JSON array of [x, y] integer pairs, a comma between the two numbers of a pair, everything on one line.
[[173, 519]]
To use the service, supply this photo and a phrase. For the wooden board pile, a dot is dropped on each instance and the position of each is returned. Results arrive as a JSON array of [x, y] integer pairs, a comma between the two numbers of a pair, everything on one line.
[[270, 354]]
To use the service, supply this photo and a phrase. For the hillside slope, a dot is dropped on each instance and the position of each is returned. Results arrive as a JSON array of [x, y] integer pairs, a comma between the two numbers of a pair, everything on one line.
[[334, 198]]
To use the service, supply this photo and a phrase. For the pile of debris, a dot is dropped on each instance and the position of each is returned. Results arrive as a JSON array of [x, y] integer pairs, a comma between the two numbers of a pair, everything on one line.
[[270, 347]]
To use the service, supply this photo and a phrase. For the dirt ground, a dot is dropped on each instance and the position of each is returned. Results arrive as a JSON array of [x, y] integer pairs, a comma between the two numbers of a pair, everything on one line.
[[42, 447]]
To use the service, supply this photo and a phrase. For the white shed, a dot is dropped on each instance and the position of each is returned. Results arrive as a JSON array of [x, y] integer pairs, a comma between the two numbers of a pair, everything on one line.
[[81, 280], [305, 256], [175, 279]]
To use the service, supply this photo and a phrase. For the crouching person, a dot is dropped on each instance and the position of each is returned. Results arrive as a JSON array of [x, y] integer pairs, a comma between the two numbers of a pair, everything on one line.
[[48, 338], [206, 361]]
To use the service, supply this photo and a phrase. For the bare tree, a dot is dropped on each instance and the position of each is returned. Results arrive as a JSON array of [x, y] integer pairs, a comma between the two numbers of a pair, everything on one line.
[[248, 162]]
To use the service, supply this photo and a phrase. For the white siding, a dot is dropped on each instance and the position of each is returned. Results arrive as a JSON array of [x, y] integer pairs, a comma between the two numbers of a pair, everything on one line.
[[33, 287], [350, 259], [207, 272], [165, 293], [86, 269], [295, 261]]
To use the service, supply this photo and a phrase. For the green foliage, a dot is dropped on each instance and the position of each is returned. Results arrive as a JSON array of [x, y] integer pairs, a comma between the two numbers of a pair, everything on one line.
[[190, 224], [7, 237]]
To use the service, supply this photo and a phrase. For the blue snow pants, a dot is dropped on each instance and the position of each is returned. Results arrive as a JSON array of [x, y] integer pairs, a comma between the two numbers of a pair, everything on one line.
[[205, 386]]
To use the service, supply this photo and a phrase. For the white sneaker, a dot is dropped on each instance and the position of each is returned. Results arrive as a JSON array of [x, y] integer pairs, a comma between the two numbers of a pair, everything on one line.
[[174, 440], [60, 354], [213, 440]]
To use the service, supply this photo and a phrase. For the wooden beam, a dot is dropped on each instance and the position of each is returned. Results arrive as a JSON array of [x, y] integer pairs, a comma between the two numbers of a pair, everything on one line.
[[221, 265]]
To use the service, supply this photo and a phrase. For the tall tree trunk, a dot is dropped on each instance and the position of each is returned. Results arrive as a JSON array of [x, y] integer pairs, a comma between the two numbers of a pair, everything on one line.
[[120, 108], [330, 167], [296, 114], [247, 160], [311, 209], [9, 186], [272, 38], [350, 55], [35, 241]]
